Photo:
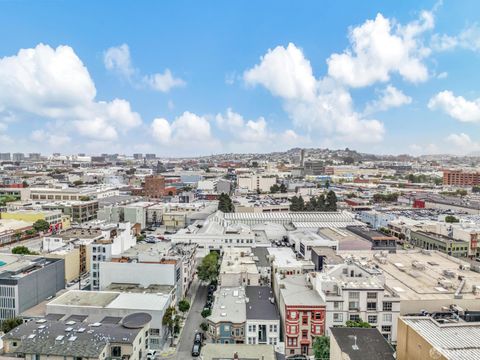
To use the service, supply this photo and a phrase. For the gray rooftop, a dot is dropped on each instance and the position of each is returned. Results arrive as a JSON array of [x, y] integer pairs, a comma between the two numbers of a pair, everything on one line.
[[371, 343], [259, 306], [261, 254], [60, 338]]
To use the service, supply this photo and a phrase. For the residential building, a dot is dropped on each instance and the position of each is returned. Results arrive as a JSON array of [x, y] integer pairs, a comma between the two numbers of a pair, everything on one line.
[[78, 211], [68, 193], [302, 312], [238, 268], [226, 324], [359, 344], [461, 178], [26, 281], [5, 156], [116, 238], [263, 319], [154, 187], [256, 183], [72, 340], [352, 292]]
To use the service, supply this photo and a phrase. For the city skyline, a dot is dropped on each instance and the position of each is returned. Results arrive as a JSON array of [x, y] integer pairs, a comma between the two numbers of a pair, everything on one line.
[[189, 79]]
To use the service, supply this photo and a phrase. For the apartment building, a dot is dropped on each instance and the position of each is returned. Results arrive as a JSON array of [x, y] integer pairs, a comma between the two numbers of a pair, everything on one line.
[[262, 324], [353, 293], [116, 238], [302, 312], [256, 183], [238, 268], [154, 187], [461, 178]]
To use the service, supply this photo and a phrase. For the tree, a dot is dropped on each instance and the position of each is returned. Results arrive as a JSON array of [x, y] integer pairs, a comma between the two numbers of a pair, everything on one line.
[[321, 348], [23, 250], [274, 188], [183, 305], [169, 320], [206, 313], [331, 201], [25, 183], [208, 269], [451, 219], [30, 232], [140, 237], [357, 324], [225, 203], [283, 188], [84, 198], [327, 184], [10, 324], [204, 326], [78, 182], [41, 225]]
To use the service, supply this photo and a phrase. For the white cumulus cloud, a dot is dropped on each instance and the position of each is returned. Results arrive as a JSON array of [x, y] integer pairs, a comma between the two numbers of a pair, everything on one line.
[[457, 107], [389, 97], [379, 48], [118, 59], [163, 82], [462, 143], [53, 83], [468, 38], [323, 106]]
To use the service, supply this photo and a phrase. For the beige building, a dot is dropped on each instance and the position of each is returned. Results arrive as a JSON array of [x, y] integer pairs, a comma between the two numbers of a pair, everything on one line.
[[238, 268], [174, 220], [422, 337], [256, 183]]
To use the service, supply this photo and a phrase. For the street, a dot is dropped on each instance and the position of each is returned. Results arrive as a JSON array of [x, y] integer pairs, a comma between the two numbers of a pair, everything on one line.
[[192, 325]]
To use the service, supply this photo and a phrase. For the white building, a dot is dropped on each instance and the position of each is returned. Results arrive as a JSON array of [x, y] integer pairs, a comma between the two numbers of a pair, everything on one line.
[[352, 292], [262, 324], [255, 183], [304, 240], [115, 240]]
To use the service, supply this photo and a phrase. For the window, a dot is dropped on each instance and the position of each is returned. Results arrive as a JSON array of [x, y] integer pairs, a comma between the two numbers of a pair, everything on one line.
[[226, 327], [372, 319], [252, 328], [116, 351], [387, 306], [387, 317], [354, 295], [386, 328], [317, 329], [337, 305], [353, 305], [371, 295], [354, 317], [293, 314], [337, 317], [273, 328], [371, 306], [304, 334], [305, 320]]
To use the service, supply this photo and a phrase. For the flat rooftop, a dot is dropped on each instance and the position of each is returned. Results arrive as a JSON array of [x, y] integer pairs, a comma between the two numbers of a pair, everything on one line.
[[420, 274], [229, 305], [85, 298], [78, 233], [295, 290], [346, 239], [9, 225]]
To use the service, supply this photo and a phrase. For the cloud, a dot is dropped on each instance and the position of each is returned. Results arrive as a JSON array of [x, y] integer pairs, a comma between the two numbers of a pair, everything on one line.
[[117, 59], [186, 131], [378, 48], [325, 105], [54, 84], [389, 97], [424, 149], [468, 38], [442, 75], [54, 140], [462, 143], [163, 82], [456, 106], [285, 73]]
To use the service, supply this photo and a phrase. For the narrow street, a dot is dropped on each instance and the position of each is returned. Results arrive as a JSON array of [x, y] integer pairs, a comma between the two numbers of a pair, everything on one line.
[[192, 325]]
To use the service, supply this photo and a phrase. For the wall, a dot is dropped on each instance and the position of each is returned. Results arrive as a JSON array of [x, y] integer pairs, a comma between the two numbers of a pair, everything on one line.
[[136, 273]]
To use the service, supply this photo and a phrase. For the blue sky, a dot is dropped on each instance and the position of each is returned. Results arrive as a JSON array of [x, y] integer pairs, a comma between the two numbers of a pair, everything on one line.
[[202, 77]]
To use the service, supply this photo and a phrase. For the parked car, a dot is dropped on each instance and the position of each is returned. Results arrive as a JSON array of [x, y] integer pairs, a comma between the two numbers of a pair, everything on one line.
[[151, 354], [198, 338], [196, 350]]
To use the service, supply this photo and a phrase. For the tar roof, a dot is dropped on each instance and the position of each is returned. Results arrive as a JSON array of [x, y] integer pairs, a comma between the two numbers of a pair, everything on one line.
[[69, 339], [370, 344], [260, 304]]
